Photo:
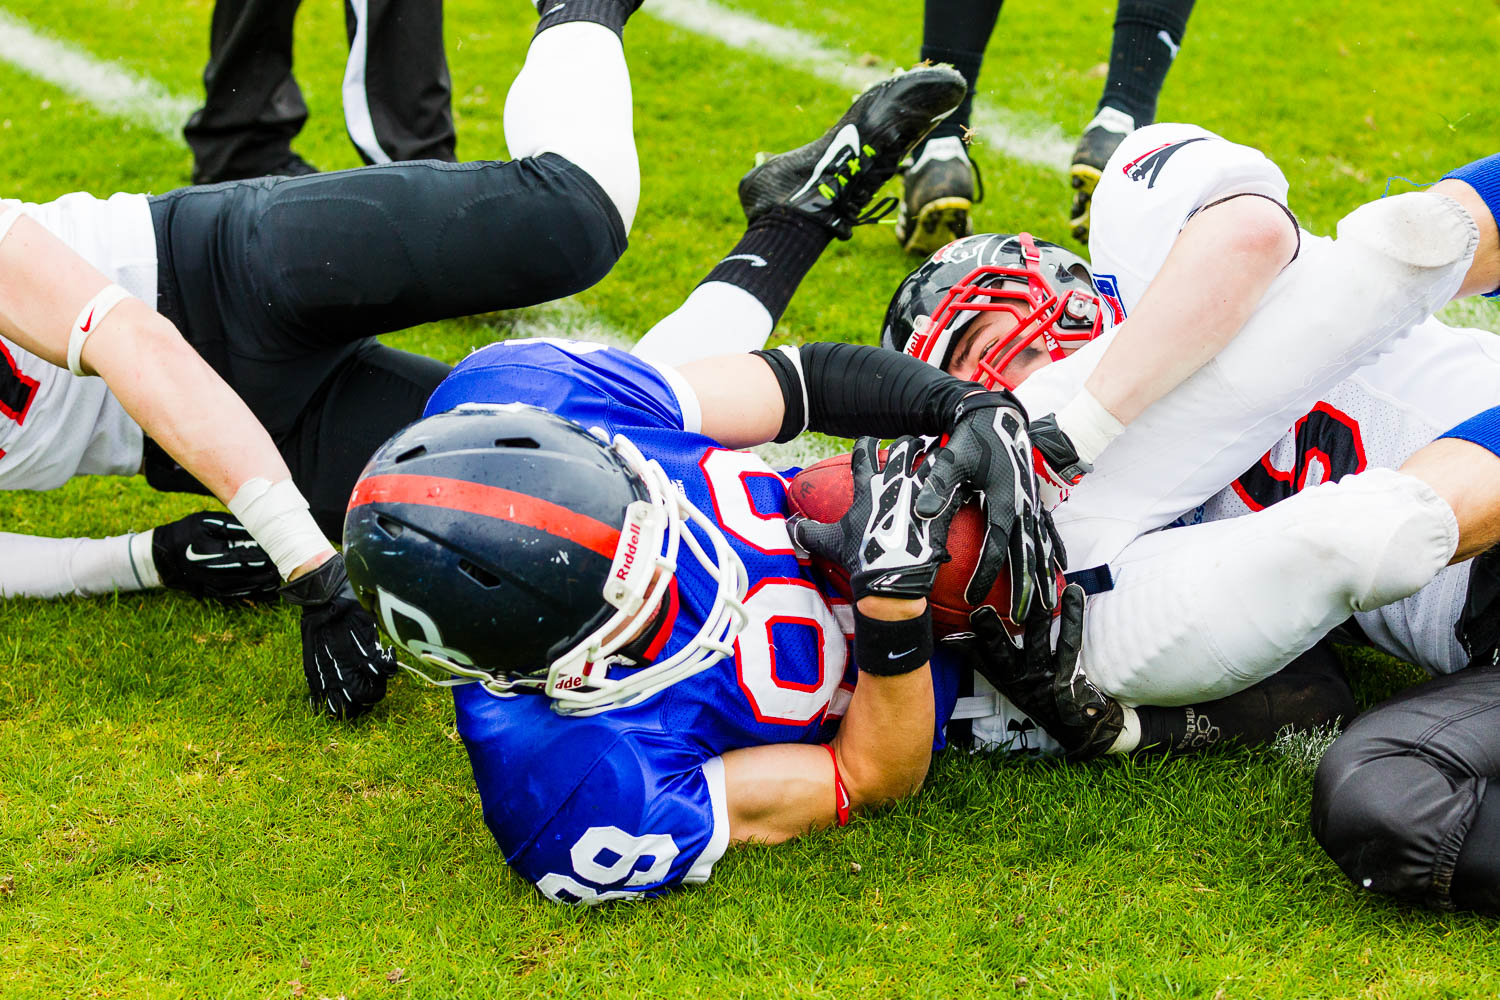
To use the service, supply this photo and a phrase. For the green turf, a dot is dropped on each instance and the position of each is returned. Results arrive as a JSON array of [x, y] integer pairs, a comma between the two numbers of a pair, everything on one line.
[[174, 823]]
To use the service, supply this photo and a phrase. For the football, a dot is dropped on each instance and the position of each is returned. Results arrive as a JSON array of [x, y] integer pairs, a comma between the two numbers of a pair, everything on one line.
[[824, 492]]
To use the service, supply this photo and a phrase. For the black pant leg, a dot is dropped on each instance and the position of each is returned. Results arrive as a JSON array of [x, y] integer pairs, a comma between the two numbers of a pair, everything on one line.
[[374, 393], [337, 257], [252, 105], [396, 52], [1397, 796]]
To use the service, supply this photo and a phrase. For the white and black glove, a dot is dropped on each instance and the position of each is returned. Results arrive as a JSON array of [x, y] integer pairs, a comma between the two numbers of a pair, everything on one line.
[[1058, 464], [212, 556], [990, 453], [1044, 679], [345, 664], [888, 550]]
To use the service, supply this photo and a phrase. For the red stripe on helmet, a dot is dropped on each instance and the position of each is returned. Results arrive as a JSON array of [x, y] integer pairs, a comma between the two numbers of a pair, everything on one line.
[[489, 501]]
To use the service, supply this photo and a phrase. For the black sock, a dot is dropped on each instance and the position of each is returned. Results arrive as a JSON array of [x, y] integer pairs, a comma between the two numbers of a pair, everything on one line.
[[956, 32], [1310, 691], [773, 257], [611, 13], [1139, 58]]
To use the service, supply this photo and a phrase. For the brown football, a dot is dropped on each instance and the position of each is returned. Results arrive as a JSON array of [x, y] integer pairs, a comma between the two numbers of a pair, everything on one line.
[[824, 492]]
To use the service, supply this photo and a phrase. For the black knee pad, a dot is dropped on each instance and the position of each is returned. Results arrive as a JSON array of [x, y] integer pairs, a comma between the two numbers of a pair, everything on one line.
[[1393, 822]]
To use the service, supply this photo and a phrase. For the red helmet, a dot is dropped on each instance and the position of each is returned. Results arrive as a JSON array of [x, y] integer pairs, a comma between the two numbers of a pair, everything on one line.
[[1047, 289]]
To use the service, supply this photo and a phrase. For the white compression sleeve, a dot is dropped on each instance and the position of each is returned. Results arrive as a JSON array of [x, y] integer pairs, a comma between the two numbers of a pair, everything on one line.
[[716, 318], [65, 567], [573, 98], [1200, 612]]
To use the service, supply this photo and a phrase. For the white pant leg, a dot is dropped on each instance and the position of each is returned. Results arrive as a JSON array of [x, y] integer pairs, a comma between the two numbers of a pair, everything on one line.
[[1334, 309], [573, 98], [716, 318], [1200, 612]]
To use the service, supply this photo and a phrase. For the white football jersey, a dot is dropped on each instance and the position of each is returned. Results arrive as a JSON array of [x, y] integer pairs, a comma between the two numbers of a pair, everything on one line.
[[55, 425], [1433, 379]]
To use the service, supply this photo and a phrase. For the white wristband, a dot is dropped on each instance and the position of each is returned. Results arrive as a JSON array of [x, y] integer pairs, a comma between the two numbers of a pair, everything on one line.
[[89, 318], [142, 562], [277, 517], [1088, 425]]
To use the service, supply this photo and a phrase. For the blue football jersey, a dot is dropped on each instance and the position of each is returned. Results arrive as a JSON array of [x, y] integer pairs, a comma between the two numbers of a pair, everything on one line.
[[632, 801]]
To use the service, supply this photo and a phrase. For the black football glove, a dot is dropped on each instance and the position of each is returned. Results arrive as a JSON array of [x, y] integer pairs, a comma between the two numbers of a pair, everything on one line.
[[989, 452], [887, 549], [1058, 467], [1046, 682], [345, 664], [213, 556]]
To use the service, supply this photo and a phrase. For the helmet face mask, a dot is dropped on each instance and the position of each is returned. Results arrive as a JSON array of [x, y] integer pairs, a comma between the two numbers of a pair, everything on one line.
[[493, 569], [1011, 275]]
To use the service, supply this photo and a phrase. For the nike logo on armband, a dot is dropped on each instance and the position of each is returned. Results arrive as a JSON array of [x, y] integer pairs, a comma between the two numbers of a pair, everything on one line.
[[84, 327], [899, 656]]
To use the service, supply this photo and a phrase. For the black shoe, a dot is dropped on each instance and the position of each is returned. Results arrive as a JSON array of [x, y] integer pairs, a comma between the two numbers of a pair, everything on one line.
[[938, 192], [1097, 144], [292, 166], [832, 179]]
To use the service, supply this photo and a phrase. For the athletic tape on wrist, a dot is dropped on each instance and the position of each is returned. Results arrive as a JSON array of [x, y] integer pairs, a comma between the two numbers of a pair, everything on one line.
[[1088, 425], [89, 318], [887, 648], [276, 515], [840, 793]]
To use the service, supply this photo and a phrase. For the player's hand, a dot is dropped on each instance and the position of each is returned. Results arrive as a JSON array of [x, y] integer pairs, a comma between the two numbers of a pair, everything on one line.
[[887, 549], [1058, 465], [1044, 680], [345, 664], [990, 452], [211, 555]]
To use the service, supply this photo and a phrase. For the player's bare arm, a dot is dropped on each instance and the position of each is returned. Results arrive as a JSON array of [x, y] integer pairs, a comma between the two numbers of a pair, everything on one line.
[[1215, 275], [57, 306], [884, 744]]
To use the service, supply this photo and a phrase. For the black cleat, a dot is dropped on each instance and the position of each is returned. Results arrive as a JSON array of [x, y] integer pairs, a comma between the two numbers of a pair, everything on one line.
[[938, 192], [832, 179], [1097, 144]]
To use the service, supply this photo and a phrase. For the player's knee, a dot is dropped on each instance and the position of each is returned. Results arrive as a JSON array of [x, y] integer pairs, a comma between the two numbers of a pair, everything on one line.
[[1367, 813], [1381, 534], [1417, 229]]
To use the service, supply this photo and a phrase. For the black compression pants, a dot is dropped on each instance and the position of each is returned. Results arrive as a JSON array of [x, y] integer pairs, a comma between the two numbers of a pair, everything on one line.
[[282, 284], [1402, 800]]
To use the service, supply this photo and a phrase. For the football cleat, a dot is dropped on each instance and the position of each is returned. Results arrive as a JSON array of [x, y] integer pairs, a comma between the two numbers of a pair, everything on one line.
[[938, 192], [1101, 137], [832, 179]]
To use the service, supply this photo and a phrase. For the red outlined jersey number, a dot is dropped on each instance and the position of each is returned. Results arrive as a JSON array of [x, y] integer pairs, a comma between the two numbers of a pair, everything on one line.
[[17, 391], [1328, 448]]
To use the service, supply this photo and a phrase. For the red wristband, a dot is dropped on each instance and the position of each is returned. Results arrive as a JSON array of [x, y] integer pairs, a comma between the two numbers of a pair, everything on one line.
[[840, 793]]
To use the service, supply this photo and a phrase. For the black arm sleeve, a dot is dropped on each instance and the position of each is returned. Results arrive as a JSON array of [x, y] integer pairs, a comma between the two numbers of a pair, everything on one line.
[[849, 390]]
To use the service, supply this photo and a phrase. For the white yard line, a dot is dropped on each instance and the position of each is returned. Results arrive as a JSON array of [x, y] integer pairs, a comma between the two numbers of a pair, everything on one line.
[[105, 85]]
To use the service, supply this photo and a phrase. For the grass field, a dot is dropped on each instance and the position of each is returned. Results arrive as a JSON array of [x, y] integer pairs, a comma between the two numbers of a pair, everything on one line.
[[173, 821]]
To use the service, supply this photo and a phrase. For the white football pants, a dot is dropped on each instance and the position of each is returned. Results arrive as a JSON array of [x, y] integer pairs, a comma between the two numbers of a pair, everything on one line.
[[1335, 308]]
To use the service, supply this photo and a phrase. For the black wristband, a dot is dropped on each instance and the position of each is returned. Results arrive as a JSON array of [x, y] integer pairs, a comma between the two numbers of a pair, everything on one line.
[[850, 390], [886, 648]]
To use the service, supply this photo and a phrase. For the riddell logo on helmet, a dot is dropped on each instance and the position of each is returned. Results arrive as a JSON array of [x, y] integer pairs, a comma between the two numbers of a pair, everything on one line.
[[632, 548], [917, 345], [569, 683]]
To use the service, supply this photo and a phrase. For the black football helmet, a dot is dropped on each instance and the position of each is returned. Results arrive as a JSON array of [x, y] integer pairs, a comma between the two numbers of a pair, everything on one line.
[[507, 545], [1048, 290]]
